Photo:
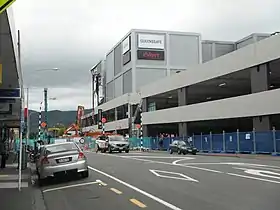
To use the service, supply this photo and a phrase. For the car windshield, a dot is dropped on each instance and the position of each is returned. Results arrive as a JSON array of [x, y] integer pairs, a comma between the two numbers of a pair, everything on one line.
[[183, 143], [61, 148], [117, 138]]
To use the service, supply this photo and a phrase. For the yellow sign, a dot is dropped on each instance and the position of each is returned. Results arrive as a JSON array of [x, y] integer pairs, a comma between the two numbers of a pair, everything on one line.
[[1, 72], [4, 4]]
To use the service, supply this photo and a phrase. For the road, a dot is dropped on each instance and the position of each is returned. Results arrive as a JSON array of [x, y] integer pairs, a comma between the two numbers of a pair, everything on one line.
[[161, 181]]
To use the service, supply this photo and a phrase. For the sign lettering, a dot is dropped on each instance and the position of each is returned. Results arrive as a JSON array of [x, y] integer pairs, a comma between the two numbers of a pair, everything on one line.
[[150, 55]]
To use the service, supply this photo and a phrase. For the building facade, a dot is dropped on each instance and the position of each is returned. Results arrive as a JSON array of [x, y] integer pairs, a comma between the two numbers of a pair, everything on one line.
[[140, 58], [187, 85]]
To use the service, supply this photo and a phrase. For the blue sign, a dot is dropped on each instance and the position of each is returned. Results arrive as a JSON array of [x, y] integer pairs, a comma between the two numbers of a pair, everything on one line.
[[10, 93]]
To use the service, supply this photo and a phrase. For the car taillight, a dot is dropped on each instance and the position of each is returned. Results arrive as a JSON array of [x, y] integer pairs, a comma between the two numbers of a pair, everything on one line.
[[81, 155], [45, 160]]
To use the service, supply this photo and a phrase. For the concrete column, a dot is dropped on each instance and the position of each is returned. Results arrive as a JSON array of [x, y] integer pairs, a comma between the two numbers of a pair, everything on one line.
[[259, 83], [183, 129], [259, 78], [182, 96], [145, 131], [144, 105], [129, 115], [261, 123], [182, 101], [116, 114]]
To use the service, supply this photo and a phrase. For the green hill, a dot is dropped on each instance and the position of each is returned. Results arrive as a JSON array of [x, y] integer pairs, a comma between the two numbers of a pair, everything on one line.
[[55, 117]]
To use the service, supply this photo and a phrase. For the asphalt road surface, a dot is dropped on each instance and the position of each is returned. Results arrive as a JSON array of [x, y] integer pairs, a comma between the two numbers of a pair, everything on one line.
[[161, 181]]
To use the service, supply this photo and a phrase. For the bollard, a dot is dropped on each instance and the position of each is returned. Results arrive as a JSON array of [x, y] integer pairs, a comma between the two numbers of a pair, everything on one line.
[[211, 147], [238, 141], [274, 141], [254, 140], [224, 141], [201, 143]]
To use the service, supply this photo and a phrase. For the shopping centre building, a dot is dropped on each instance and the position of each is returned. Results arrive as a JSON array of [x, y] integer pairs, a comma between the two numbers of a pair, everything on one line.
[[186, 85]]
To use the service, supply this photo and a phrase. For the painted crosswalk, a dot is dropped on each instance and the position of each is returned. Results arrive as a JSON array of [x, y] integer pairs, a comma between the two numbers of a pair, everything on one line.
[[9, 177]]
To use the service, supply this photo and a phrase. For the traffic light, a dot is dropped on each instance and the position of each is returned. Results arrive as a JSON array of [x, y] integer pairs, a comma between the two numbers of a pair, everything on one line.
[[99, 125], [137, 119]]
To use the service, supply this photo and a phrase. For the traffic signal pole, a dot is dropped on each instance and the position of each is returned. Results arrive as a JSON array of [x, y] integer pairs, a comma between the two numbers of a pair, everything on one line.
[[46, 111]]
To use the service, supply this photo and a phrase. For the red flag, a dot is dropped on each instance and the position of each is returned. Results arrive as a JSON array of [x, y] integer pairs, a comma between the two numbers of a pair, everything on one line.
[[25, 112]]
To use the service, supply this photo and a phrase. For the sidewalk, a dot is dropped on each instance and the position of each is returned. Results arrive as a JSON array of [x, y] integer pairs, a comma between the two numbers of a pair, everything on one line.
[[29, 198]]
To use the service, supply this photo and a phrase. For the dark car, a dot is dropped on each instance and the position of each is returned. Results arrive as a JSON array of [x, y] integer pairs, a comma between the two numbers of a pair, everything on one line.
[[182, 147]]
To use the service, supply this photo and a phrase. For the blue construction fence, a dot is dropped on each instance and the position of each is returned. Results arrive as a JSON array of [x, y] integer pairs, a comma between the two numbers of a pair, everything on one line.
[[236, 142]]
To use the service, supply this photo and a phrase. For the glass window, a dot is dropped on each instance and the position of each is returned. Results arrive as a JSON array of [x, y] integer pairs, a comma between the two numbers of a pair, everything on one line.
[[61, 148], [116, 138]]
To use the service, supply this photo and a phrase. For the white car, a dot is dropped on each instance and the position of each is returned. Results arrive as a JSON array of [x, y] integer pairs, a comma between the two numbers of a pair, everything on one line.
[[112, 143]]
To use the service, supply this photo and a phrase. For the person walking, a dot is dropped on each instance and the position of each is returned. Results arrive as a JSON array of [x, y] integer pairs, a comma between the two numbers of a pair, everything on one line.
[[3, 153]]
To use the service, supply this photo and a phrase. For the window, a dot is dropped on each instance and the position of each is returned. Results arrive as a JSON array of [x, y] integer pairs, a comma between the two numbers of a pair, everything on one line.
[[61, 148]]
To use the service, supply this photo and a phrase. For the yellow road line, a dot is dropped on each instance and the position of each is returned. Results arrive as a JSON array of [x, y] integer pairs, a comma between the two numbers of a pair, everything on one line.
[[138, 203], [116, 191], [4, 176]]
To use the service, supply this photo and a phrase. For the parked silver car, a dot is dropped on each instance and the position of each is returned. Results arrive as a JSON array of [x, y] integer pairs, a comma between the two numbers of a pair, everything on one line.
[[61, 158]]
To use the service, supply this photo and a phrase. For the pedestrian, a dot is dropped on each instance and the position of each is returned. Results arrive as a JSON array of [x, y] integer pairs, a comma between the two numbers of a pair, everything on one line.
[[3, 153]]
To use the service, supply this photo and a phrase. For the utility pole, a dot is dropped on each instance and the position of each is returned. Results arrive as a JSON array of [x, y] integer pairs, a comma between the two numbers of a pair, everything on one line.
[[21, 115], [27, 114], [46, 110]]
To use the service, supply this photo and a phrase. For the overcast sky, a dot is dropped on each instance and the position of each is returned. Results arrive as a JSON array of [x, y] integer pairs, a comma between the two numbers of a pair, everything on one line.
[[73, 37]]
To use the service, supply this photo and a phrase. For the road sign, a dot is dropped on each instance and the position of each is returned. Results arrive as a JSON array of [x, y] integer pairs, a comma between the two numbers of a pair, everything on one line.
[[11, 93], [43, 124], [4, 4], [103, 120]]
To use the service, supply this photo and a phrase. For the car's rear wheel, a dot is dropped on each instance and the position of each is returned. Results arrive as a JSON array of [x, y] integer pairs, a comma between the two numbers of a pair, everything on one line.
[[194, 153], [184, 153], [85, 174], [127, 151]]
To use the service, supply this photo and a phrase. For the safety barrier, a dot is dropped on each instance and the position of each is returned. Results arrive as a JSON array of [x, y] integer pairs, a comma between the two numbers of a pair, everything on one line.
[[237, 142]]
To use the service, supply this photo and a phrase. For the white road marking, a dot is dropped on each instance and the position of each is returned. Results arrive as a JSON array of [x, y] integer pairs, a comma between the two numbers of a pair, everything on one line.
[[10, 185], [193, 165], [70, 186], [181, 165], [101, 183], [169, 205], [268, 174], [176, 161], [251, 177], [170, 175], [203, 169], [159, 157]]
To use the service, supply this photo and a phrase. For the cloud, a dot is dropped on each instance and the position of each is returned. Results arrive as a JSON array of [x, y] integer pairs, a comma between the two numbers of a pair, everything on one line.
[[60, 98], [74, 35]]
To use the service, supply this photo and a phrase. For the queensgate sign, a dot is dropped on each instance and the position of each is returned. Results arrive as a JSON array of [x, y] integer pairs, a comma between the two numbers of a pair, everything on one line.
[[151, 41]]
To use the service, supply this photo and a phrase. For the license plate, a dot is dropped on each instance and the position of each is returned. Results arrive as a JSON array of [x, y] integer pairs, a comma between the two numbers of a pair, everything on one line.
[[63, 160]]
